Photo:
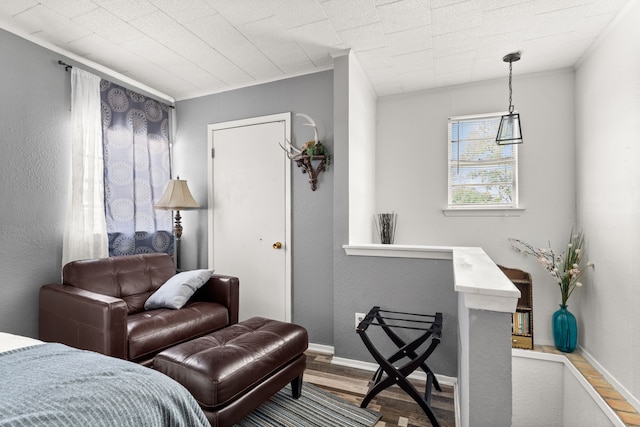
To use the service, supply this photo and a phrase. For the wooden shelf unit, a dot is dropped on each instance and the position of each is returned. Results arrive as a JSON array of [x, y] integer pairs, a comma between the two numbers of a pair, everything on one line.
[[522, 324]]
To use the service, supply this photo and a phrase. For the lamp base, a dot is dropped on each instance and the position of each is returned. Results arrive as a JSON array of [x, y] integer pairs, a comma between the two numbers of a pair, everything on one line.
[[177, 234], [176, 254], [177, 227]]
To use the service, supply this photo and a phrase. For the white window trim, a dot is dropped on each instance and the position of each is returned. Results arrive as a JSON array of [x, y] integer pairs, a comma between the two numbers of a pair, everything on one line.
[[483, 211], [496, 210]]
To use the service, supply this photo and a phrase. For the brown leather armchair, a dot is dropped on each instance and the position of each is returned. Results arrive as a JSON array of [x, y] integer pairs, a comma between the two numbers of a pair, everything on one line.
[[100, 307]]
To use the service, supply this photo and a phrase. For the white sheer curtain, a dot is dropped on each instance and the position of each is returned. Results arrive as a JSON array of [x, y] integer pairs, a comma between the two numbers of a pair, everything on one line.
[[85, 234]]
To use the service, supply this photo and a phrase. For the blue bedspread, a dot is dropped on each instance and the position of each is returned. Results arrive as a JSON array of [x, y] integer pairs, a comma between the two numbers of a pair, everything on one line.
[[56, 385]]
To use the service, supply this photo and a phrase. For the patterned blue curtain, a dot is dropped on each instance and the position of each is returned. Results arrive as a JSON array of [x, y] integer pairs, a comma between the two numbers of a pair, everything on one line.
[[136, 170]]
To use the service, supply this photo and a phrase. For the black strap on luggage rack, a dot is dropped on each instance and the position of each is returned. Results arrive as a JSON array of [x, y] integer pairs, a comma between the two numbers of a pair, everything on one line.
[[431, 325]]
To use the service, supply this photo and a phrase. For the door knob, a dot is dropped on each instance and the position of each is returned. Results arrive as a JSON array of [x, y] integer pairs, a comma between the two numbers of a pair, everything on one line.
[[277, 245]]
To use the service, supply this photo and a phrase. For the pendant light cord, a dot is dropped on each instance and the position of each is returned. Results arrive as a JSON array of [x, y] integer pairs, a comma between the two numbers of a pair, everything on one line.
[[510, 89]]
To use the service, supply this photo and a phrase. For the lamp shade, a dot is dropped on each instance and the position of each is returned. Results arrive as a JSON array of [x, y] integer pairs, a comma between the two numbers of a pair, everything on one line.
[[509, 131], [177, 197]]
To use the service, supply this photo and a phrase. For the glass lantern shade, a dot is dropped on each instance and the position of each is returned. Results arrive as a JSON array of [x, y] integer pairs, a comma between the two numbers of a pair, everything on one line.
[[509, 131]]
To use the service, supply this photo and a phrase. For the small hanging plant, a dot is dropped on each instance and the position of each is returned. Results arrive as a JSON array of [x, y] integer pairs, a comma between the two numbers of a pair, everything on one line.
[[312, 148]]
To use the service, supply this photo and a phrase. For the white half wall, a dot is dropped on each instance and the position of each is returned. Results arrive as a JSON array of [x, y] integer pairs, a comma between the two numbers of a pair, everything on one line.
[[549, 391]]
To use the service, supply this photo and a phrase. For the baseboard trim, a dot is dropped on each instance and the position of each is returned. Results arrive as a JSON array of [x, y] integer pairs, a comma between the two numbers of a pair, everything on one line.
[[368, 366], [322, 348]]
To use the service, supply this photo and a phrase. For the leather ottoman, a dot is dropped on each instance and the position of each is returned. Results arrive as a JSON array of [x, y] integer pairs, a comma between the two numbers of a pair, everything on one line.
[[232, 371]]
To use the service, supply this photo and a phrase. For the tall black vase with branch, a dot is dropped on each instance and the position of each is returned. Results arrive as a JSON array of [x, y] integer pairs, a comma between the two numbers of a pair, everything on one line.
[[386, 226]]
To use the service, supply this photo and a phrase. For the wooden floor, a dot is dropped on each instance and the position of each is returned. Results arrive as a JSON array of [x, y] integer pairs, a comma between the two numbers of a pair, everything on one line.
[[395, 406]]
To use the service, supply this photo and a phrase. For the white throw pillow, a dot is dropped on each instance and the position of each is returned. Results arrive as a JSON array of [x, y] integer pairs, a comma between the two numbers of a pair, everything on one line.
[[175, 292]]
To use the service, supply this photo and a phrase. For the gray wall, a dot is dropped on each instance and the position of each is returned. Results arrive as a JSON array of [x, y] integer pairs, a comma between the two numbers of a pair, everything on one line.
[[312, 211], [35, 124], [328, 287], [411, 285], [35, 119], [489, 382], [398, 284]]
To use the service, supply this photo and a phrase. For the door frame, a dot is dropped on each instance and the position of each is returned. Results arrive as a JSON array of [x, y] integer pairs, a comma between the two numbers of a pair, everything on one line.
[[211, 128]]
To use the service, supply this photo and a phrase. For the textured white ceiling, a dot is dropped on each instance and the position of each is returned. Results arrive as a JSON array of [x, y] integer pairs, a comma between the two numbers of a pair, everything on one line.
[[187, 48]]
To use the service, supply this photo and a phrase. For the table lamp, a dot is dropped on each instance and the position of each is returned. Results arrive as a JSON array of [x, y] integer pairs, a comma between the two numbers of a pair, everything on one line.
[[177, 197]]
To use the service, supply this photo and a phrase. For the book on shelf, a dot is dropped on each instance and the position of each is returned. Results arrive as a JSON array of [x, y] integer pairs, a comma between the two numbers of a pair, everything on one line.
[[521, 322]]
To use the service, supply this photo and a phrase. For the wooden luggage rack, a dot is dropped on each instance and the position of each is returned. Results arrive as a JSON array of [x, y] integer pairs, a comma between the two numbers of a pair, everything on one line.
[[431, 328]]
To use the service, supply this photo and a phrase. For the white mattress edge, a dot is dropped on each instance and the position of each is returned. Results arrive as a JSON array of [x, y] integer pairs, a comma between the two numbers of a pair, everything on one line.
[[12, 342]]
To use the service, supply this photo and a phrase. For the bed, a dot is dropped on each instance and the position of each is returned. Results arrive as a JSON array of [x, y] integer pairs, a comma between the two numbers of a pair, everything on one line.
[[56, 385]]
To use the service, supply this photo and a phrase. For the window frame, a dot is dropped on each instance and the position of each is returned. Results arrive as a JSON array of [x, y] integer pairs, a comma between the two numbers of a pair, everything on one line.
[[485, 209]]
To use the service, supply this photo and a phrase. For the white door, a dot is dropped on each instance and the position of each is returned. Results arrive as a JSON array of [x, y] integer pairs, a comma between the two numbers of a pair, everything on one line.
[[250, 210]]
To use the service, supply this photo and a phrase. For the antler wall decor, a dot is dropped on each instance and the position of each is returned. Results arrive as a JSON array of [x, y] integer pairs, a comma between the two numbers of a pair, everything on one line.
[[312, 152]]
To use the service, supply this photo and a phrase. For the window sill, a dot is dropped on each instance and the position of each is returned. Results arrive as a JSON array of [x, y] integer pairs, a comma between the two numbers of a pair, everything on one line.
[[501, 212], [399, 251]]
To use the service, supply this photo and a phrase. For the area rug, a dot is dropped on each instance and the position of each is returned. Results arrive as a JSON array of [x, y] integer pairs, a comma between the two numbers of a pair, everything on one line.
[[315, 408]]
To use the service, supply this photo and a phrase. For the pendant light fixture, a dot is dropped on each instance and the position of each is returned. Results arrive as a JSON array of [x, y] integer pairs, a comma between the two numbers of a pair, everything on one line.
[[509, 131]]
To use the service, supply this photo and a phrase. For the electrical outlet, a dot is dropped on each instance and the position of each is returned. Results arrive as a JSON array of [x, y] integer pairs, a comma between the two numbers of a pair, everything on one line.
[[359, 318]]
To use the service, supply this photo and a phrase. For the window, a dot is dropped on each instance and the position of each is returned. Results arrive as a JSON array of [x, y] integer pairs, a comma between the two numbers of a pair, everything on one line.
[[482, 174]]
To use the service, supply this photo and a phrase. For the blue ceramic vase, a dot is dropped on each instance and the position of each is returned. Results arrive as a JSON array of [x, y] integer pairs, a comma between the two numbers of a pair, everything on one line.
[[565, 330]]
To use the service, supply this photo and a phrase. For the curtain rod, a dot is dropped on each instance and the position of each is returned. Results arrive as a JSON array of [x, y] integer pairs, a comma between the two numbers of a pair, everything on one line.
[[67, 67]]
